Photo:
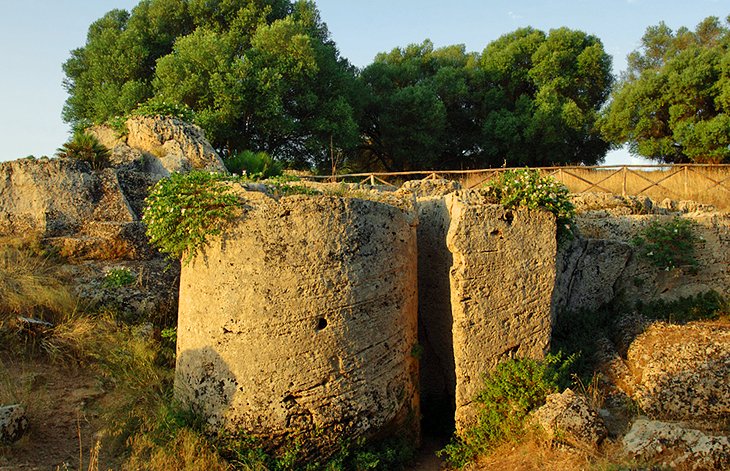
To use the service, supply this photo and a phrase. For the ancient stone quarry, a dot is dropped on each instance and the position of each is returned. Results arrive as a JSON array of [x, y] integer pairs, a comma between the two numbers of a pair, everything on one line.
[[356, 314], [299, 323]]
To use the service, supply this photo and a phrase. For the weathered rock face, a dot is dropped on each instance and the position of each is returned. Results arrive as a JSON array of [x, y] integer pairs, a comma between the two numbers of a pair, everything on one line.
[[299, 323], [676, 447], [168, 144], [588, 270], [572, 418], [681, 372], [501, 286], [57, 196], [601, 265], [13, 423]]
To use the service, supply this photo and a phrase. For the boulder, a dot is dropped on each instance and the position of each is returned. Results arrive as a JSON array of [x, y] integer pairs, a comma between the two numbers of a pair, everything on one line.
[[568, 417], [58, 197], [430, 187], [502, 281], [13, 423], [674, 446], [681, 372], [298, 324], [177, 146]]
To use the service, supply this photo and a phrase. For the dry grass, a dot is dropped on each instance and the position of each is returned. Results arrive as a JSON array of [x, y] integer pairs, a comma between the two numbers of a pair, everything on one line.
[[688, 183]]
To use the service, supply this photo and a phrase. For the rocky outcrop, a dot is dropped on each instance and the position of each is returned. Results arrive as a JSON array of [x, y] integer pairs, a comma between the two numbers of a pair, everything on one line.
[[675, 446], [13, 423], [681, 373], [501, 285], [298, 324], [58, 197], [167, 144], [570, 418]]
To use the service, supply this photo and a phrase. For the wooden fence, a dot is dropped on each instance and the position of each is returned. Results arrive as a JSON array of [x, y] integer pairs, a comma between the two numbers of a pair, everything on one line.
[[708, 184]]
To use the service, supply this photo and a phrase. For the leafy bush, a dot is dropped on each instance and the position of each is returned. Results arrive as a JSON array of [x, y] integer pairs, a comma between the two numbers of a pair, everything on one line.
[[510, 392], [668, 244], [255, 165], [86, 147], [118, 125], [156, 107], [118, 277], [704, 306], [527, 188], [184, 209]]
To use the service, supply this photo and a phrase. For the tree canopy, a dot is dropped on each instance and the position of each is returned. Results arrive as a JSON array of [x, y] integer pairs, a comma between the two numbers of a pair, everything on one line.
[[529, 98], [264, 75], [673, 102], [259, 74]]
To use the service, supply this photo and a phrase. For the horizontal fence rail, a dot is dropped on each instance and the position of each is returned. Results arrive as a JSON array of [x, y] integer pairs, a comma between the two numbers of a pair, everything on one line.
[[704, 183]]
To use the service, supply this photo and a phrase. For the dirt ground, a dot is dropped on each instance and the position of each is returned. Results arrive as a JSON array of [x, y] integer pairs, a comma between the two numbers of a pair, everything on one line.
[[59, 401]]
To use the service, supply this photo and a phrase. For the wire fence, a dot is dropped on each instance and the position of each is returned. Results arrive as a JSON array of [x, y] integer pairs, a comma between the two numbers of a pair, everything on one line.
[[709, 184]]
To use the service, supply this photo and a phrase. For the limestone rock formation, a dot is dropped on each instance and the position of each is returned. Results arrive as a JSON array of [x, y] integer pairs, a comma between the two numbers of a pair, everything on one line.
[[299, 323], [13, 423], [677, 447], [57, 196], [169, 145], [570, 418], [501, 286], [681, 372]]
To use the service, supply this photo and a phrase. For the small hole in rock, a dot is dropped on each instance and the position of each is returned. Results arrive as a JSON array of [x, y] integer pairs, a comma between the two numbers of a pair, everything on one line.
[[321, 323]]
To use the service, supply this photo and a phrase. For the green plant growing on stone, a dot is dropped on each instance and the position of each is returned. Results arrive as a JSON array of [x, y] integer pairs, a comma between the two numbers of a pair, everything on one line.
[[527, 188], [85, 147], [118, 277], [183, 210], [157, 107], [668, 244], [703, 306], [254, 165], [510, 392], [119, 125]]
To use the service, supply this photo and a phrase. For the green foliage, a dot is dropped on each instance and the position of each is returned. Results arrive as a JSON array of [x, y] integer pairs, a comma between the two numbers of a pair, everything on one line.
[[118, 125], [257, 74], [704, 306], [156, 107], [673, 103], [86, 147], [668, 244], [118, 277], [184, 209], [253, 165], [510, 392], [245, 452], [527, 188]]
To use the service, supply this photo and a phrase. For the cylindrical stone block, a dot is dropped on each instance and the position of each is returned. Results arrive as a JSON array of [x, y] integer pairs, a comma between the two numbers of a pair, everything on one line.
[[298, 324]]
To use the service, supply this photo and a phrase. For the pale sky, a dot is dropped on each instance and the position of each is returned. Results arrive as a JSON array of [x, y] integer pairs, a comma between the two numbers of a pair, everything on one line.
[[37, 35]]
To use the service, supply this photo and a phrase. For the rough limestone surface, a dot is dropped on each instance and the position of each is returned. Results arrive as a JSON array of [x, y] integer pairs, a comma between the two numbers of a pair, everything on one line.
[[569, 417], [13, 423], [299, 323], [639, 279], [501, 285], [681, 372], [588, 270], [679, 448], [179, 146], [57, 196]]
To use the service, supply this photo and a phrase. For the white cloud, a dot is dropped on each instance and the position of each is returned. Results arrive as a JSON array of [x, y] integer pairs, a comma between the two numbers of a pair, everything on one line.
[[514, 15]]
